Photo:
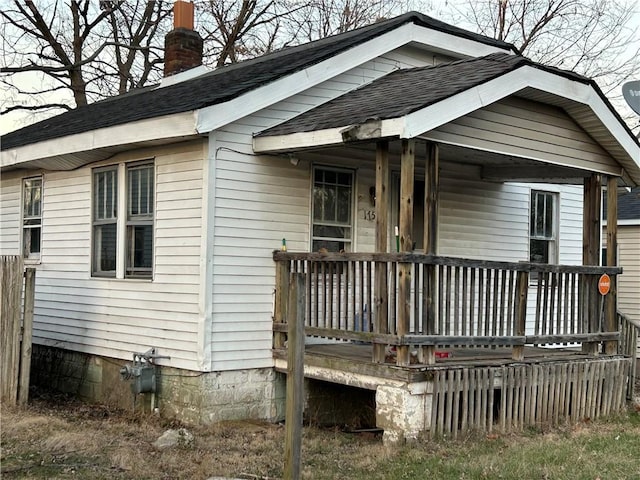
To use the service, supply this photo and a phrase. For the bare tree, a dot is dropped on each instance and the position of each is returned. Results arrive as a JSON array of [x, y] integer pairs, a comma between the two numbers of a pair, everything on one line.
[[60, 54], [321, 18], [78, 51], [137, 33], [235, 31], [596, 38]]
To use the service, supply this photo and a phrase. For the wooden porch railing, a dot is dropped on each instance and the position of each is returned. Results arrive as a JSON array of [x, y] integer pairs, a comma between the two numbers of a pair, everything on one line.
[[628, 346], [428, 301]]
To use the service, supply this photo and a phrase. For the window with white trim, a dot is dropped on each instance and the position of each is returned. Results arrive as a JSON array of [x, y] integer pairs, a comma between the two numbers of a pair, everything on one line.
[[139, 220], [105, 217], [31, 217], [543, 227], [123, 220], [332, 214]]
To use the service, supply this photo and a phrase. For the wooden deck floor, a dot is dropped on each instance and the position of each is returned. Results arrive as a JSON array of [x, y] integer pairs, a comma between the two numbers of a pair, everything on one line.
[[357, 359]]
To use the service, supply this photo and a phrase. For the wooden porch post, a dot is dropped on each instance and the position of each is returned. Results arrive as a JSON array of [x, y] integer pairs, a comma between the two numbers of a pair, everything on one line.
[[407, 167], [382, 230], [294, 407], [283, 270], [611, 314], [431, 197], [591, 233]]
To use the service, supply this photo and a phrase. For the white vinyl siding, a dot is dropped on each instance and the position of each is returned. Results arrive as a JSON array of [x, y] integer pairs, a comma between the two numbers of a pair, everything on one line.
[[629, 260], [259, 200], [115, 317], [523, 128], [482, 220], [10, 191]]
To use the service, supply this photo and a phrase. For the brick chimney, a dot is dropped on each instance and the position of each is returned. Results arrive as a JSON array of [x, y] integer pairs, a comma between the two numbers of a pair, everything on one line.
[[182, 45]]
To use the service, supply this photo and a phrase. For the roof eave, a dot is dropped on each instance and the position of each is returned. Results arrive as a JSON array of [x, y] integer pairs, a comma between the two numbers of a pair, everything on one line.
[[73, 151]]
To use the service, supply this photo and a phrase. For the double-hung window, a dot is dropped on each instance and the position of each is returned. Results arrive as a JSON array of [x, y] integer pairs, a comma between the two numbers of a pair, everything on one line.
[[31, 217], [332, 227], [105, 215], [123, 215], [543, 227], [139, 220]]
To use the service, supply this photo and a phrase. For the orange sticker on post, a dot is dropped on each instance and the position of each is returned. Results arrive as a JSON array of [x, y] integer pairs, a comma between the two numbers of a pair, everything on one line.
[[604, 284]]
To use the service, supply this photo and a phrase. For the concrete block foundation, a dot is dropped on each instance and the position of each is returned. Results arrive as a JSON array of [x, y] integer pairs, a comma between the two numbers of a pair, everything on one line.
[[403, 412], [190, 397]]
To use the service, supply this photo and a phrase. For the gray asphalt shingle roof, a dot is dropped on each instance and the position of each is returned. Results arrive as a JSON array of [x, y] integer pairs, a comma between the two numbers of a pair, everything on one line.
[[218, 86], [628, 205], [405, 91]]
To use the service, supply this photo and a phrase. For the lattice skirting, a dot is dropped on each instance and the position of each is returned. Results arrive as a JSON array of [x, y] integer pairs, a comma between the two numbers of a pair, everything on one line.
[[517, 396]]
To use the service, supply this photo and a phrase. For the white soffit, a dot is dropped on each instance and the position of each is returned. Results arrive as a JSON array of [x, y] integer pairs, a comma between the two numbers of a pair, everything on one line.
[[107, 140]]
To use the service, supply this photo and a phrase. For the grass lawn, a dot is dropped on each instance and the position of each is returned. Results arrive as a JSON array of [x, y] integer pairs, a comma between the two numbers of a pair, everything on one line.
[[54, 439]]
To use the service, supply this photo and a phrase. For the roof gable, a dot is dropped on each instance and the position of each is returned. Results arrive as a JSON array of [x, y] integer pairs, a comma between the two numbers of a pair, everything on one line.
[[411, 102], [220, 85], [400, 93]]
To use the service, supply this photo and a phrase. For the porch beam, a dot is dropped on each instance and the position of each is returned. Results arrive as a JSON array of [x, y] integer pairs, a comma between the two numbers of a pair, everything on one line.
[[591, 234], [611, 303], [522, 173], [381, 325], [430, 241], [407, 168]]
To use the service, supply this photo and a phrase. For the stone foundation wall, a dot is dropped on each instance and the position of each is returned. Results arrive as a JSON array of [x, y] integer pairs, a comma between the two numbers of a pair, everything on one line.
[[191, 397]]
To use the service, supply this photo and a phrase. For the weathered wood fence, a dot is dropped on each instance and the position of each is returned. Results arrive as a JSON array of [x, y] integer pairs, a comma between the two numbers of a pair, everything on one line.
[[517, 396], [628, 346], [417, 300], [15, 329]]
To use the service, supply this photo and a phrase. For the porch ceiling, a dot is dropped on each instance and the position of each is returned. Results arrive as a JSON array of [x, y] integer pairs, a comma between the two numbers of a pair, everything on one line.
[[492, 166], [414, 103]]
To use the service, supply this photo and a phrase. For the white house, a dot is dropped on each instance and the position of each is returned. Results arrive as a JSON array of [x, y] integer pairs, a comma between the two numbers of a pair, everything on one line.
[[151, 217]]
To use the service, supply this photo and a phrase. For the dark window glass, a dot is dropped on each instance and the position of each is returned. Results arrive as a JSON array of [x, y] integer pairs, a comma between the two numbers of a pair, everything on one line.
[[332, 209], [32, 217]]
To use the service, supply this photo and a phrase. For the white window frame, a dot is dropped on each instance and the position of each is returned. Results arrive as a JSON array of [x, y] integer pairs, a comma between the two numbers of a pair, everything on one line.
[[31, 221], [347, 241], [101, 218], [547, 224], [126, 221], [140, 216]]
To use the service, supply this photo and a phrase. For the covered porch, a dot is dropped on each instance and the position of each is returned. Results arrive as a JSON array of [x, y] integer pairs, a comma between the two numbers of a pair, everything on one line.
[[451, 343], [460, 352]]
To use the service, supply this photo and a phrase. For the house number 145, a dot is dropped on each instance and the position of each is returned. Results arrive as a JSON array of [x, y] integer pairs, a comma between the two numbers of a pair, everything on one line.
[[369, 215]]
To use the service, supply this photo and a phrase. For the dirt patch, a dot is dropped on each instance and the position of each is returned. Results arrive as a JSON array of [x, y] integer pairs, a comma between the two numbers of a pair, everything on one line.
[[62, 438], [58, 438]]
